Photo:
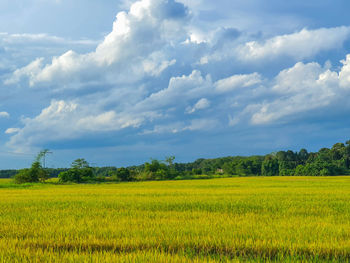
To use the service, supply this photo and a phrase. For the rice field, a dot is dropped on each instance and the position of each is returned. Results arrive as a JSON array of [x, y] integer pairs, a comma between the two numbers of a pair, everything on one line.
[[277, 219]]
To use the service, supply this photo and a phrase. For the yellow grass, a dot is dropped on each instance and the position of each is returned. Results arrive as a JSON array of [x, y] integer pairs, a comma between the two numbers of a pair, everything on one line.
[[234, 219]]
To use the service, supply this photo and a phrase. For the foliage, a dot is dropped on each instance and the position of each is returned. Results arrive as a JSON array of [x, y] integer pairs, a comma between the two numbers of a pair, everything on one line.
[[80, 172], [24, 176], [34, 174], [8, 173], [243, 166], [270, 166], [158, 170], [80, 164], [123, 175], [327, 161]]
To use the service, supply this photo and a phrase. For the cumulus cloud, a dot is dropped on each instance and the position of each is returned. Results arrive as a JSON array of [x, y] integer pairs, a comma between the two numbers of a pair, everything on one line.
[[20, 52], [297, 46], [237, 81], [72, 119], [4, 114], [194, 125], [179, 92], [12, 130], [69, 120], [137, 39], [302, 88], [344, 74], [300, 45], [156, 64], [30, 70], [294, 91], [154, 73], [200, 105], [155, 35]]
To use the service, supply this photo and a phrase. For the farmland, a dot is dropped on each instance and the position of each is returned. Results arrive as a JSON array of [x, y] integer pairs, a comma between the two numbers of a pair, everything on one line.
[[232, 219]]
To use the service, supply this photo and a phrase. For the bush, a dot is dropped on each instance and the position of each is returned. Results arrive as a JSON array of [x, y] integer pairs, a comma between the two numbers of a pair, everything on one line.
[[124, 175], [22, 177], [79, 173], [33, 175]]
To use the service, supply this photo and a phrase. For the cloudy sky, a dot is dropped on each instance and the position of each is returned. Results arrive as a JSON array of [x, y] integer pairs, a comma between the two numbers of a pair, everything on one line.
[[120, 81]]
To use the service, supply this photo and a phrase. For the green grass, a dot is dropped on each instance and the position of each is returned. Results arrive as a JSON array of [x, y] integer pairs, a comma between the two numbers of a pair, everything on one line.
[[8, 183], [232, 219]]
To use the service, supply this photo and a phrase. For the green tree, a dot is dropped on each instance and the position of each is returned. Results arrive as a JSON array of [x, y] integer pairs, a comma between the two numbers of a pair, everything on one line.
[[80, 164], [159, 170], [170, 160], [35, 173], [270, 166], [80, 172], [124, 174]]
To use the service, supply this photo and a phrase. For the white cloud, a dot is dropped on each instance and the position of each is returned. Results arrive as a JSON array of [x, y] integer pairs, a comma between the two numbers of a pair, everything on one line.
[[237, 81], [299, 89], [30, 70], [303, 44], [201, 124], [200, 105], [300, 45], [4, 114], [72, 119], [150, 38], [194, 125], [179, 92], [344, 74], [27, 39], [20, 50], [12, 130], [183, 90], [69, 120], [156, 64], [169, 128], [133, 48], [145, 76]]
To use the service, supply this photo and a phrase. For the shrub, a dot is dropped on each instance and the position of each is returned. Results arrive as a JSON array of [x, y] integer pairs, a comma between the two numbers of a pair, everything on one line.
[[33, 175], [79, 173]]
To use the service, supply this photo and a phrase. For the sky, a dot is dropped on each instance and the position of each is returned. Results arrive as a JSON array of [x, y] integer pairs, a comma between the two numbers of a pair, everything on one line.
[[118, 82]]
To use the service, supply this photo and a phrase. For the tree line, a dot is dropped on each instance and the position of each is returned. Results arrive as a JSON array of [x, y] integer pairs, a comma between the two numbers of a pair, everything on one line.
[[325, 162]]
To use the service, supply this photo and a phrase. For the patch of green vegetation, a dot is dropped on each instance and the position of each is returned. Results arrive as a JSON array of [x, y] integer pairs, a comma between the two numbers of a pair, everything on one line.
[[325, 162]]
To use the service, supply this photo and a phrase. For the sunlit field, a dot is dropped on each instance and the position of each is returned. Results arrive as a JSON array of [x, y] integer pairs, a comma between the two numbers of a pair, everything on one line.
[[234, 219]]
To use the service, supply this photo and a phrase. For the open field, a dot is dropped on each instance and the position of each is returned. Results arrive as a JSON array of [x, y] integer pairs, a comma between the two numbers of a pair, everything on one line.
[[233, 219]]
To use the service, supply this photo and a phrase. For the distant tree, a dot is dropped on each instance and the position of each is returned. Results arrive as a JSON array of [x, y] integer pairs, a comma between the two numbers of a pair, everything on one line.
[[229, 168], [161, 170], [338, 151], [171, 172], [196, 171], [80, 172], [70, 176], [7, 173], [303, 155], [124, 174], [270, 166], [80, 164], [170, 160], [34, 174]]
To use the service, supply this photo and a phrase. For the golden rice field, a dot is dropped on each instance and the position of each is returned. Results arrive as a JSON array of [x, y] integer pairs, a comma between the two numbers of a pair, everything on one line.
[[279, 219]]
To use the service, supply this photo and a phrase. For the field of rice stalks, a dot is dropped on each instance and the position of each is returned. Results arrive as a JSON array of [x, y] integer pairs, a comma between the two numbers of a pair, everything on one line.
[[222, 220]]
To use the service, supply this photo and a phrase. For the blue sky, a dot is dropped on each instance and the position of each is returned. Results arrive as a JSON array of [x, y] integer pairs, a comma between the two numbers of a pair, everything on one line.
[[119, 82]]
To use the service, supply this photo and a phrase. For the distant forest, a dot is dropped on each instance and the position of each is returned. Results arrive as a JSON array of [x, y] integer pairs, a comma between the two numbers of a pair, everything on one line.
[[334, 161]]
